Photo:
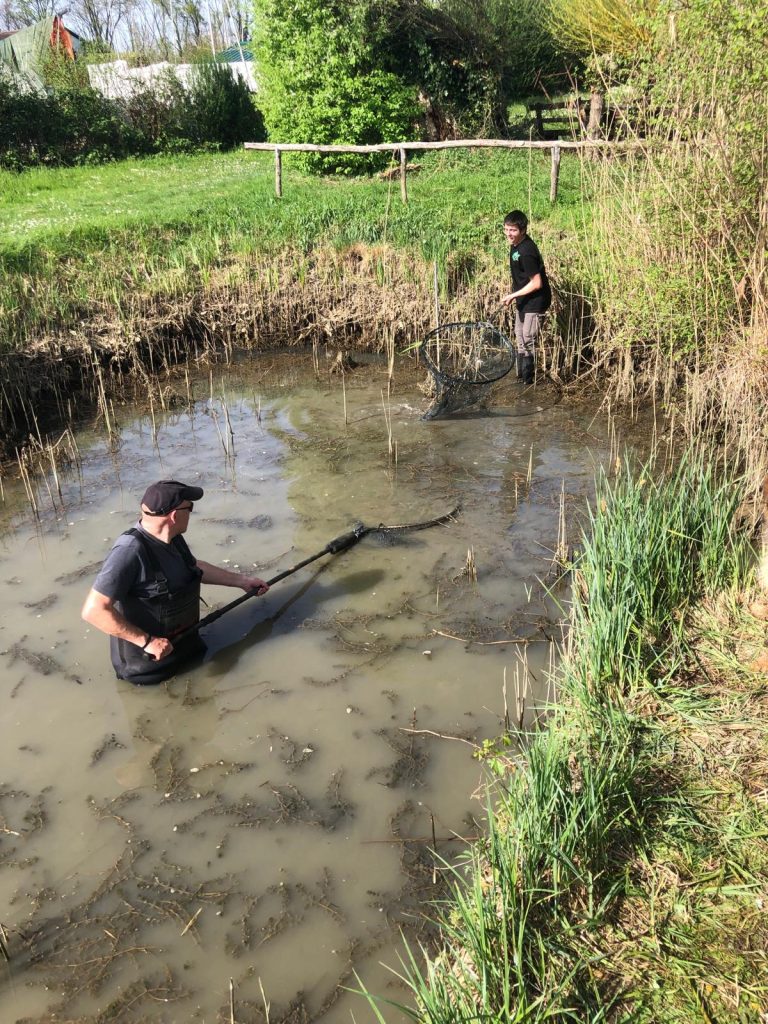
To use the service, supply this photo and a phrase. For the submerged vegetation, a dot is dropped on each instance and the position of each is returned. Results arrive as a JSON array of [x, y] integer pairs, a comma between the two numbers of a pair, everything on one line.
[[626, 867]]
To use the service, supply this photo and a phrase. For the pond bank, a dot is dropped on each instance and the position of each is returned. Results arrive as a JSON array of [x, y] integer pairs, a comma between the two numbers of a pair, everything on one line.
[[361, 299], [125, 268], [625, 875]]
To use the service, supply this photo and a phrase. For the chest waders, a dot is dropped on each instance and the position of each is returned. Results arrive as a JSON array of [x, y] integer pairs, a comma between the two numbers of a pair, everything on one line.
[[161, 612]]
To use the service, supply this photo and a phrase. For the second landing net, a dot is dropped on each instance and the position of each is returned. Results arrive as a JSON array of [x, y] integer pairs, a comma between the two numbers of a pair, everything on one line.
[[464, 360]]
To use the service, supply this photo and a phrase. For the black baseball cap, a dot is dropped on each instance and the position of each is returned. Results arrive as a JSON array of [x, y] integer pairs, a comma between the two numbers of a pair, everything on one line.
[[164, 496]]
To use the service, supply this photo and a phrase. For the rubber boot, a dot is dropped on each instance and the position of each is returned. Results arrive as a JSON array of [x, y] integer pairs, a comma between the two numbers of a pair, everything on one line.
[[527, 369], [519, 367]]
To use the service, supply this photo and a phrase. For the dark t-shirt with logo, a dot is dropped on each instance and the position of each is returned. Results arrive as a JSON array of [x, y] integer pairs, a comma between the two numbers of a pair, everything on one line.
[[524, 262]]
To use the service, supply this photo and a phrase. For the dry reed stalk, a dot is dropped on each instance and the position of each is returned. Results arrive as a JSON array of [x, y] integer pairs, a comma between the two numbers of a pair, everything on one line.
[[154, 424], [25, 479], [4, 945], [264, 1000], [230, 431], [470, 567], [102, 400], [507, 728], [391, 444], [390, 350], [215, 417], [561, 552]]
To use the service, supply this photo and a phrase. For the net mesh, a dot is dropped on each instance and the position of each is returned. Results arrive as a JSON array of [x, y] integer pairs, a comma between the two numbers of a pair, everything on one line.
[[464, 360]]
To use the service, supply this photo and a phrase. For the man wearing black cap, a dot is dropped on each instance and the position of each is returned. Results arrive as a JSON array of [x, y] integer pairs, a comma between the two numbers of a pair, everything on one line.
[[148, 589]]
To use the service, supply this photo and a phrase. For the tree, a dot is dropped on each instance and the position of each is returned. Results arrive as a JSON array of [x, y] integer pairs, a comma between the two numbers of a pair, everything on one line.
[[620, 28], [321, 81], [469, 58], [17, 14], [98, 20]]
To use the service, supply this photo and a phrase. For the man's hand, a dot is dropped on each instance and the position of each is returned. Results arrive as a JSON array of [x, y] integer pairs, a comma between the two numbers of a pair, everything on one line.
[[226, 578], [508, 300], [254, 583], [158, 648]]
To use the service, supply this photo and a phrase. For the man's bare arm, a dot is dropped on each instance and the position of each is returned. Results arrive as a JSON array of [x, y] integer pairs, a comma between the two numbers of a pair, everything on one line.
[[226, 578], [99, 611]]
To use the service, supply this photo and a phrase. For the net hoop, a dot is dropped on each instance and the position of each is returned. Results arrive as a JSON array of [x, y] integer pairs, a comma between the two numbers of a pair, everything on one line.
[[487, 373]]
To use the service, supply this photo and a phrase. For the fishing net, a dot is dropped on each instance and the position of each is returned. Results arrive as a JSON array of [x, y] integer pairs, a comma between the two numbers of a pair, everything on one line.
[[464, 360]]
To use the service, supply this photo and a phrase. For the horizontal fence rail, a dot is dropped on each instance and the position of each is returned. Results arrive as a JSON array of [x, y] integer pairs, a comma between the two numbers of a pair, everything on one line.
[[401, 149]]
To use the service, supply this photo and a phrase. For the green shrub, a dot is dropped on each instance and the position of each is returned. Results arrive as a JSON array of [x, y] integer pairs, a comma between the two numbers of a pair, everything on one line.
[[221, 110], [73, 124], [322, 82], [471, 57], [70, 126]]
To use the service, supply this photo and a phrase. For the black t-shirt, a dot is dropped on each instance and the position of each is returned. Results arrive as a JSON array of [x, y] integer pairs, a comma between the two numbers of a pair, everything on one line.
[[524, 263]]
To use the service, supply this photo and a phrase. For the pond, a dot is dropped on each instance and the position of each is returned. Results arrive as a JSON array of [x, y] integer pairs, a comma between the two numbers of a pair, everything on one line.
[[269, 817]]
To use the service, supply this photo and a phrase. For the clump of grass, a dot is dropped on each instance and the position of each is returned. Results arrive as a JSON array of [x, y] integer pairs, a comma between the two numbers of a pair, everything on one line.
[[618, 870], [655, 544]]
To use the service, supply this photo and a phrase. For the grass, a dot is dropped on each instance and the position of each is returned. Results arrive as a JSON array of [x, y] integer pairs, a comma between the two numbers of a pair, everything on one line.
[[625, 872], [454, 195], [80, 240]]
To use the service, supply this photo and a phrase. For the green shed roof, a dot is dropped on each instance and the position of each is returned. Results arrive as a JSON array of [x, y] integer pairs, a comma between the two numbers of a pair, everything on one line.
[[235, 53]]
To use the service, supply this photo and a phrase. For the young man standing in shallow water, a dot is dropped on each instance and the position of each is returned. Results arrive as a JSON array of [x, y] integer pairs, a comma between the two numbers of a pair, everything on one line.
[[531, 291], [148, 589]]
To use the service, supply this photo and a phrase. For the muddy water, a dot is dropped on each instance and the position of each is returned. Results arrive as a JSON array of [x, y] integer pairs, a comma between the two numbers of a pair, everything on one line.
[[267, 818]]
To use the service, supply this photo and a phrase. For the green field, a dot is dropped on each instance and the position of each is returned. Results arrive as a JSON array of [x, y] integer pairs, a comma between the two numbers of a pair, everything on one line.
[[83, 239], [455, 200]]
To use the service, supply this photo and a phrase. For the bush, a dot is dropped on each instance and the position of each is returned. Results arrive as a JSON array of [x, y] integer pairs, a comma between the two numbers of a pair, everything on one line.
[[469, 58], [71, 126], [221, 109], [74, 124], [322, 81]]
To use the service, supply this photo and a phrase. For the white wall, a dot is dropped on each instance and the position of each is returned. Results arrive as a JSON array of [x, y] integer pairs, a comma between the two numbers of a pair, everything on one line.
[[116, 80]]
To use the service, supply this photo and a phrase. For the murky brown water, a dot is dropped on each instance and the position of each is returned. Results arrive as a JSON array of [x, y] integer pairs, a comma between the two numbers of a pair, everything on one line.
[[265, 818]]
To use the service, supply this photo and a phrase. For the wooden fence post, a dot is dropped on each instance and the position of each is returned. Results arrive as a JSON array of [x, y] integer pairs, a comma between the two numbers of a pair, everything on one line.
[[403, 181], [539, 120], [278, 173], [554, 175], [596, 102]]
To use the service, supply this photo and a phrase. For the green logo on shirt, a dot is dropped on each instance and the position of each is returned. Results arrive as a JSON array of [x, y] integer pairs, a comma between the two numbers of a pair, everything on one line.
[[515, 256]]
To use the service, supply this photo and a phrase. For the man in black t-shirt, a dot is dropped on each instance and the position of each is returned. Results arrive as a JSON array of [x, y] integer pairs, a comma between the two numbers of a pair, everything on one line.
[[148, 589], [531, 291]]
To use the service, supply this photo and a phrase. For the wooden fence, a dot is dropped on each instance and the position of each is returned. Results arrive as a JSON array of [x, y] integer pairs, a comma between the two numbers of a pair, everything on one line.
[[401, 149], [591, 118]]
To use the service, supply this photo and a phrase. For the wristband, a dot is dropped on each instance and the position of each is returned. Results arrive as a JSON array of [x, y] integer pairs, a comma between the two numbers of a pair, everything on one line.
[[149, 641]]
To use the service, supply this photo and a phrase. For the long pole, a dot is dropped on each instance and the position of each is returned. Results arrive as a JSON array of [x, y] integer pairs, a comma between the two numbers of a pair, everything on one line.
[[333, 547], [337, 545]]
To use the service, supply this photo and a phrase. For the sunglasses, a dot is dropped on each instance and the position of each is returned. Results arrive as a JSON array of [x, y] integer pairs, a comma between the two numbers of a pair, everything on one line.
[[185, 508]]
